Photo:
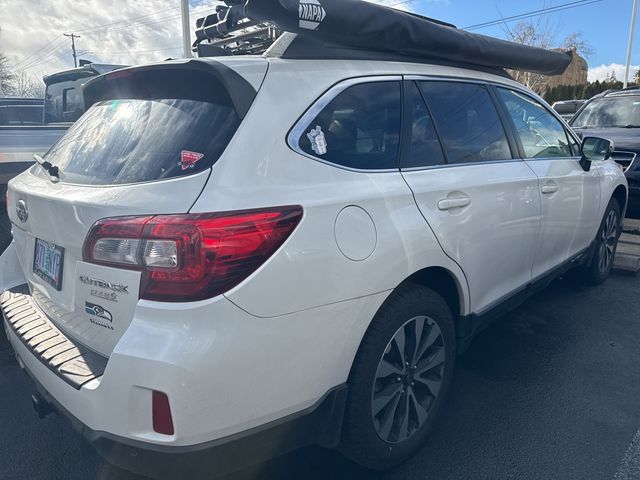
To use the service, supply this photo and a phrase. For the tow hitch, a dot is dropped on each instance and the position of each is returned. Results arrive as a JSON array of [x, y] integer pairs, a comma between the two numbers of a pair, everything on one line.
[[41, 406]]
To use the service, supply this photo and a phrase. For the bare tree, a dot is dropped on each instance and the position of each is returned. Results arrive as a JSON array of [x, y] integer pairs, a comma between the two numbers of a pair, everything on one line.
[[27, 86], [542, 34], [577, 43], [7, 76]]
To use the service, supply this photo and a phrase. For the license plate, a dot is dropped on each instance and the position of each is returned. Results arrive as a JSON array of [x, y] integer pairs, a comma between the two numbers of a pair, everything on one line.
[[48, 260]]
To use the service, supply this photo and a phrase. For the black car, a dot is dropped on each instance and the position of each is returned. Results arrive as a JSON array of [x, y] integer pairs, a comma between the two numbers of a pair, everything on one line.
[[21, 111], [568, 108], [615, 115]]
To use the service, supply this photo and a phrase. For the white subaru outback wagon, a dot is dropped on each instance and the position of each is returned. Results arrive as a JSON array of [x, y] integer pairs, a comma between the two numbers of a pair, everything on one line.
[[228, 258]]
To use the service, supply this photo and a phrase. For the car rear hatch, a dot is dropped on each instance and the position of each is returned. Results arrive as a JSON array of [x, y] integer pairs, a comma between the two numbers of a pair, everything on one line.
[[145, 148]]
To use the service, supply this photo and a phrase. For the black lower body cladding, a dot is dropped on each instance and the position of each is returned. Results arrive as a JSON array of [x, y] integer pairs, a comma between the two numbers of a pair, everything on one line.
[[363, 25]]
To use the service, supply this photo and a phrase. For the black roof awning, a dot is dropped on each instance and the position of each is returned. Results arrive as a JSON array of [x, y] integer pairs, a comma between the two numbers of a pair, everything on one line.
[[361, 25]]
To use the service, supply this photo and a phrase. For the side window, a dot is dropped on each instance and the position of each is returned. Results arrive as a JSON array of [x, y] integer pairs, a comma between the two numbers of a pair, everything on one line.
[[467, 121], [423, 147], [360, 128], [542, 135]]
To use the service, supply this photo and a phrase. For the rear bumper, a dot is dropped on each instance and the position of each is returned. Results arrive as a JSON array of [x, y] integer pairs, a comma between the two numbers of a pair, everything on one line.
[[242, 389], [320, 424]]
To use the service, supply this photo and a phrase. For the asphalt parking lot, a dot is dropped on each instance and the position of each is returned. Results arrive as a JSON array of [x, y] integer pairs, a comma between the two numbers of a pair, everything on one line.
[[552, 390]]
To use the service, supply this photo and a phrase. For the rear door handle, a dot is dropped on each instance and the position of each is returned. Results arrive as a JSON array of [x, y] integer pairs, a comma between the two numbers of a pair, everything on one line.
[[549, 189], [451, 203]]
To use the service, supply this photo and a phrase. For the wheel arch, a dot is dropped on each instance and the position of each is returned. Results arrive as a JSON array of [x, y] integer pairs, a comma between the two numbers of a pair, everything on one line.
[[444, 283], [621, 196]]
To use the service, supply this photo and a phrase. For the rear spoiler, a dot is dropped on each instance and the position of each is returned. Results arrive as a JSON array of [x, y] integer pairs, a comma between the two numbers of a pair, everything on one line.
[[158, 81], [360, 25]]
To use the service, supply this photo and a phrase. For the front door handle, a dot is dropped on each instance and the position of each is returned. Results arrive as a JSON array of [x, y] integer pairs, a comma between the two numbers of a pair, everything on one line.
[[451, 203], [549, 188]]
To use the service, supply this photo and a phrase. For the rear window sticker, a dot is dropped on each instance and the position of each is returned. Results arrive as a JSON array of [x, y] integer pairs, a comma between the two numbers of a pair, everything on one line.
[[189, 159], [318, 140]]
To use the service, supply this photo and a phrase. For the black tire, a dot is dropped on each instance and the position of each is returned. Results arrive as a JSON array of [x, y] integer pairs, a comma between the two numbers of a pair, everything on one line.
[[606, 245], [5, 231], [361, 440]]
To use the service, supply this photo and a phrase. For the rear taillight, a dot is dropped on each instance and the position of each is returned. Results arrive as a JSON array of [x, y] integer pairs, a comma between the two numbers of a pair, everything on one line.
[[191, 257]]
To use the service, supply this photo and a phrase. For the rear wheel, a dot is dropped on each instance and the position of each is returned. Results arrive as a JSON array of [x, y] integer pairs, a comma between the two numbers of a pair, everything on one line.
[[400, 378], [606, 246]]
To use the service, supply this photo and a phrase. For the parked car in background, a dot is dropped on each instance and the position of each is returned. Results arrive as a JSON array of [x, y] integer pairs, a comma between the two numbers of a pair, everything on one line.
[[21, 111], [568, 108], [615, 115], [33, 126]]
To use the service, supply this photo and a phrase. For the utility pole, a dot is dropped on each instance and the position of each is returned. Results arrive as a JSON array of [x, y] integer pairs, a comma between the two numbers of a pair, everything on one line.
[[73, 37], [633, 29], [186, 31]]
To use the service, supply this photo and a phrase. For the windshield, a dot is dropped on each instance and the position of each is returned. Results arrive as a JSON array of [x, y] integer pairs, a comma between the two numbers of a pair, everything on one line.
[[132, 141], [610, 113]]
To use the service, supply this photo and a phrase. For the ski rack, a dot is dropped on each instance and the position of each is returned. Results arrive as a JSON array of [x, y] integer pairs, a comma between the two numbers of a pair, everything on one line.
[[229, 32], [351, 29]]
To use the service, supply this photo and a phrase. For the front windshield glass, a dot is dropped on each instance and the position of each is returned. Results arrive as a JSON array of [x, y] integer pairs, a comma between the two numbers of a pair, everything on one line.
[[610, 113]]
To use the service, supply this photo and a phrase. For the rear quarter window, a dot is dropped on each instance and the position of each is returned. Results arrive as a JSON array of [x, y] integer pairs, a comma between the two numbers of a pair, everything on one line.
[[359, 128]]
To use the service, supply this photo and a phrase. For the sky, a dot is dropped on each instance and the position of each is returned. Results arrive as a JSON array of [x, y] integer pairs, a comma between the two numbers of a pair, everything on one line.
[[128, 32]]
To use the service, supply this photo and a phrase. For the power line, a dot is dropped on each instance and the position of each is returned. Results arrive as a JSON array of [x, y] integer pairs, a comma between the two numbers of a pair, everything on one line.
[[46, 50], [31, 55], [535, 13], [133, 51], [47, 56], [126, 20], [152, 21]]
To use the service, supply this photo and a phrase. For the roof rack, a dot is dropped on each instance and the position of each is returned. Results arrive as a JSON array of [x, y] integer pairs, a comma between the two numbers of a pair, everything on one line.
[[359, 26]]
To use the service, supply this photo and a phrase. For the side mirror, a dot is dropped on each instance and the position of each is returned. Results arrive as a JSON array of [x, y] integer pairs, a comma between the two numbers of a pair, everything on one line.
[[595, 149]]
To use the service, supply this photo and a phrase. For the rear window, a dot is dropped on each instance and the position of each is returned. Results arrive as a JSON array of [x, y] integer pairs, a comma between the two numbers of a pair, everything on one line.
[[140, 140]]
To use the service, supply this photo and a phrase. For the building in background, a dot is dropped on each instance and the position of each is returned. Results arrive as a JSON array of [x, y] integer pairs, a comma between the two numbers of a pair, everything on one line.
[[576, 74]]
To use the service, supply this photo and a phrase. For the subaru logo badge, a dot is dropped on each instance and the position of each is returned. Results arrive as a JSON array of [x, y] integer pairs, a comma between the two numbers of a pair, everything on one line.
[[21, 210]]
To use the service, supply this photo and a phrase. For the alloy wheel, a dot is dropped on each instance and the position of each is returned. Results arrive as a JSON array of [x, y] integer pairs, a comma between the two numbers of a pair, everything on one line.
[[408, 379], [608, 240]]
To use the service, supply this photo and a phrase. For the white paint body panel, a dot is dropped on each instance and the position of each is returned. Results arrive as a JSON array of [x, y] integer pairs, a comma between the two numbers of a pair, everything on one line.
[[276, 343], [63, 214], [494, 238], [568, 221]]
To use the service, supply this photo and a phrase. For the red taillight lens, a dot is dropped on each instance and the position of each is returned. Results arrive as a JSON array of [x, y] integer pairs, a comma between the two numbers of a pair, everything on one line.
[[161, 413], [191, 257]]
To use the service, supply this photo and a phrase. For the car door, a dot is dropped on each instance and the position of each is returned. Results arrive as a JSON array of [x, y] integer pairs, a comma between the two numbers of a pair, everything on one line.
[[481, 202], [570, 197]]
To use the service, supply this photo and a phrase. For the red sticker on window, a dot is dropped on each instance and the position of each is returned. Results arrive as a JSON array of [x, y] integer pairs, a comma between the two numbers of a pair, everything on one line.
[[189, 159]]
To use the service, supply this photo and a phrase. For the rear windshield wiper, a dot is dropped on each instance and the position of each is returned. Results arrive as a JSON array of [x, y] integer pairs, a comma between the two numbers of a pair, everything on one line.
[[632, 126], [52, 170]]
